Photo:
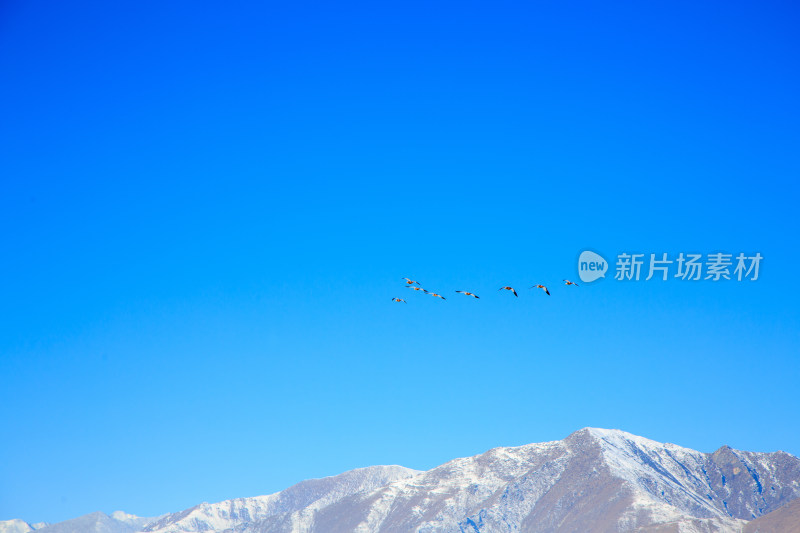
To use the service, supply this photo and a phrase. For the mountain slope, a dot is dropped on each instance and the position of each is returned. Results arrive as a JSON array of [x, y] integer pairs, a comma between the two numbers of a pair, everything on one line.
[[307, 495], [594, 480], [727, 483], [137, 522], [15, 526], [783, 520], [96, 522]]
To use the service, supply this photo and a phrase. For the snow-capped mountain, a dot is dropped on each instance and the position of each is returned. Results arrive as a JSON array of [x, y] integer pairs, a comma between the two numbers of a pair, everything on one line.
[[15, 526], [595, 480], [305, 498], [97, 522], [136, 522], [19, 526]]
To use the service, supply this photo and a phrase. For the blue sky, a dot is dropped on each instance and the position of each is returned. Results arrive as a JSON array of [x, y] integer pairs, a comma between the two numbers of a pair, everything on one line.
[[207, 208]]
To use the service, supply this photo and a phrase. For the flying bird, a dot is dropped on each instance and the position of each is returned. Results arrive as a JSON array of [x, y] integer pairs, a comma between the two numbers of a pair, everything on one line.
[[416, 288], [470, 294], [568, 282], [411, 281], [540, 287], [399, 300], [509, 289], [437, 295]]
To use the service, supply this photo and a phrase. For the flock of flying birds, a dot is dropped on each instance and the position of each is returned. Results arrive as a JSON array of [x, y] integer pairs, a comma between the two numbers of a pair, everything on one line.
[[414, 285]]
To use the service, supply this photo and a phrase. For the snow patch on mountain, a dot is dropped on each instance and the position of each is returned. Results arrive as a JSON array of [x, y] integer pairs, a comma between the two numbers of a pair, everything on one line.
[[15, 526]]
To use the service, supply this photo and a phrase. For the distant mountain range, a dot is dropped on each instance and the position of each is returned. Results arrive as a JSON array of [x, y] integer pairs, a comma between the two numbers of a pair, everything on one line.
[[595, 480]]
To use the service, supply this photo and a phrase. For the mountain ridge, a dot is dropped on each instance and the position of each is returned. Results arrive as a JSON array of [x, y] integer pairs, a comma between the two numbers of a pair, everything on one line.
[[595, 479]]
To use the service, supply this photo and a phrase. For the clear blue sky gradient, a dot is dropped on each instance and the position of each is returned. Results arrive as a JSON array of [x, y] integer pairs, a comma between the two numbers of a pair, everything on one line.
[[206, 209]]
